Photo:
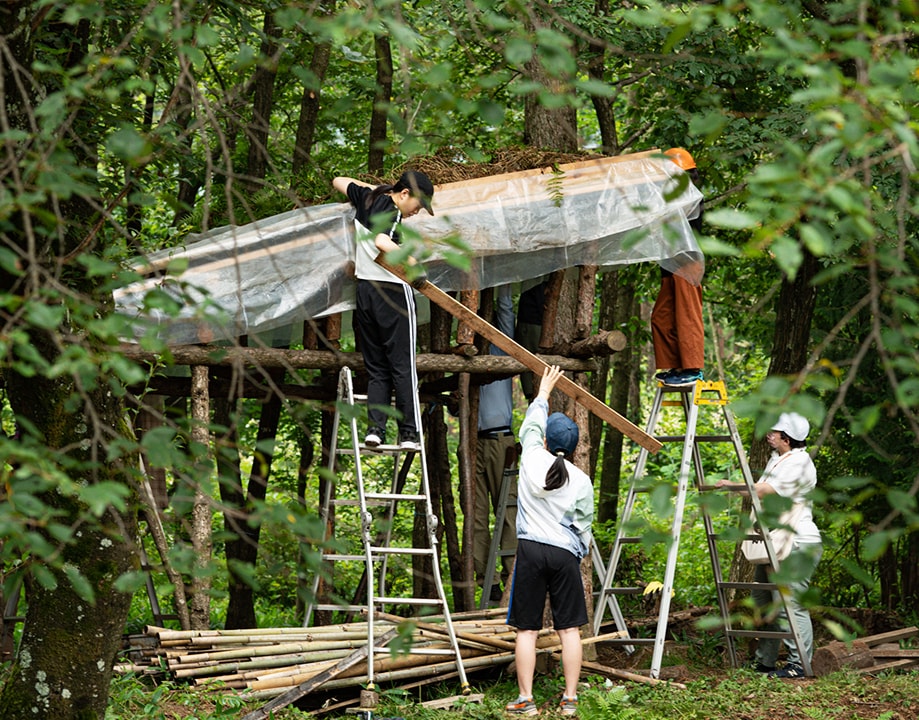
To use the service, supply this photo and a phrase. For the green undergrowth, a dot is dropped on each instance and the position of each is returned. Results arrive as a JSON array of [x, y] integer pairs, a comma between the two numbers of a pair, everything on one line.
[[739, 694]]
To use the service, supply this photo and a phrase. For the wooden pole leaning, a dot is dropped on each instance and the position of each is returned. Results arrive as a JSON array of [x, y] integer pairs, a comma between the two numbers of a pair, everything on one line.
[[524, 356]]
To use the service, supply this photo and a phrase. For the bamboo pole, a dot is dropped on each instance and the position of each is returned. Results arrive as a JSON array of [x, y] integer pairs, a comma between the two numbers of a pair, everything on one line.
[[306, 687]]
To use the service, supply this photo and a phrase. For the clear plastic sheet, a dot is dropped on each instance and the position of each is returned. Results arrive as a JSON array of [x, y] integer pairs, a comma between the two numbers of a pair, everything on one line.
[[282, 270]]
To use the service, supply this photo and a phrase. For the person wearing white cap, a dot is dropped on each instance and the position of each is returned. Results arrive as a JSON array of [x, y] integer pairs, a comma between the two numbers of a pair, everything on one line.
[[790, 473], [555, 508]]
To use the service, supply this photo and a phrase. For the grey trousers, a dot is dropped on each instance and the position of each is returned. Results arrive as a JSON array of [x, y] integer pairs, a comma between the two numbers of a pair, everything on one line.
[[801, 563]]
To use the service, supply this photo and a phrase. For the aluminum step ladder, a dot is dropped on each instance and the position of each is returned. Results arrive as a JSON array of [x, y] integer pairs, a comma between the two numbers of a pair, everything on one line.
[[690, 399], [495, 551], [376, 509]]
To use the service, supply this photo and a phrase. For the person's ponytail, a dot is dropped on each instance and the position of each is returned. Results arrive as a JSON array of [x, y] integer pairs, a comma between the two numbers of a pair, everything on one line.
[[376, 192], [557, 475]]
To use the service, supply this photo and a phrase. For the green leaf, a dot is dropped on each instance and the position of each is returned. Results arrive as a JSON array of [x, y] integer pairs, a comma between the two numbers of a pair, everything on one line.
[[44, 576], [46, 316], [875, 546], [518, 51], [159, 446], [732, 219], [816, 238], [100, 496], [127, 144], [81, 586], [788, 255]]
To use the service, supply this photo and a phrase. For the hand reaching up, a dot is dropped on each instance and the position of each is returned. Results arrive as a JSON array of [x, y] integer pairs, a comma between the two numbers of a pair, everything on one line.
[[550, 376]]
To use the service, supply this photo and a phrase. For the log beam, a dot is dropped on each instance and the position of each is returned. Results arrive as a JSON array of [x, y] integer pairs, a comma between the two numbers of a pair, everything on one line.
[[214, 356]]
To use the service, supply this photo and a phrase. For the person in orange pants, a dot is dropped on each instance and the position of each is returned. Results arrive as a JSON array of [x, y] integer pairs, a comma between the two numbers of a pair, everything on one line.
[[677, 328]]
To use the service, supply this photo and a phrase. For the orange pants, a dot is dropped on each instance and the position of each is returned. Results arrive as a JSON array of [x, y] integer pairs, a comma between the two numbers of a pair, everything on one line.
[[677, 330]]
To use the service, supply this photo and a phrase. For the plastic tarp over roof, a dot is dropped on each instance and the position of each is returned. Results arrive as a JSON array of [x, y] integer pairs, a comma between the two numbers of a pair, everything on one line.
[[519, 226]]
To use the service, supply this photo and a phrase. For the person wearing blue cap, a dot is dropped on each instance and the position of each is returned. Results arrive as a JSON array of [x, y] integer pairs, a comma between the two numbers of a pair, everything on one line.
[[384, 318], [555, 509], [789, 473]]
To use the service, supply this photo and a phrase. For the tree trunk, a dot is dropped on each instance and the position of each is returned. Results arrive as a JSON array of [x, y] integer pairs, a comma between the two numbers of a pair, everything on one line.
[[68, 645], [67, 420], [244, 548], [199, 602], [548, 128], [309, 108], [380, 112], [617, 308], [263, 90], [603, 106], [439, 463]]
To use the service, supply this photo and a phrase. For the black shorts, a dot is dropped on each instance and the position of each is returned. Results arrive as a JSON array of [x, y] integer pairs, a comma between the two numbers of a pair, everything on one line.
[[541, 569]]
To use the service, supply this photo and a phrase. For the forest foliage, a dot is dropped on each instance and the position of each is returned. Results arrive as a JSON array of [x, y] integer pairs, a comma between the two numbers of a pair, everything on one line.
[[126, 126]]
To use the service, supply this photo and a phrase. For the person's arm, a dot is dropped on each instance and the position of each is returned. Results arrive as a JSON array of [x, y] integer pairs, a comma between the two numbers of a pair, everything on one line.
[[533, 429], [550, 376], [341, 184], [762, 488]]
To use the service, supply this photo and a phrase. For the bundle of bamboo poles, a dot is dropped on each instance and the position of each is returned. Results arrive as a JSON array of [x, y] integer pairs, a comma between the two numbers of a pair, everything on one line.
[[265, 662]]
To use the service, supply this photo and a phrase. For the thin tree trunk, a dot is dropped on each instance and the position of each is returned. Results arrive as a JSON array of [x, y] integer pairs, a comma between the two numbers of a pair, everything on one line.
[[439, 465], [199, 604], [263, 82], [603, 106], [617, 308], [309, 107], [380, 112]]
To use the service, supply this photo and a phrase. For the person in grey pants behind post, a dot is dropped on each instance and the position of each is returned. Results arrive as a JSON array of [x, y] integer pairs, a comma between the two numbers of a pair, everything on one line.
[[790, 473]]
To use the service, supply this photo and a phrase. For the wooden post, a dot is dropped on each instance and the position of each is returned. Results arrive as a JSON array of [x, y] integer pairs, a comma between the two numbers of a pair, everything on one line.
[[199, 602]]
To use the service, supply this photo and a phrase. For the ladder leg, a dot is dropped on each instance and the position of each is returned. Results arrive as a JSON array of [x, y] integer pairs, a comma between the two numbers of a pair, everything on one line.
[[377, 545], [676, 529], [607, 598]]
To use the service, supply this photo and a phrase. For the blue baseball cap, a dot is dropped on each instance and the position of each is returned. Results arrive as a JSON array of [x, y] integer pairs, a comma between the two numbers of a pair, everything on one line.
[[561, 433]]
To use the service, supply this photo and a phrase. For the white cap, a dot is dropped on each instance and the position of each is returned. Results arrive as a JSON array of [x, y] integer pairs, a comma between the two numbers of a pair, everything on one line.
[[793, 425]]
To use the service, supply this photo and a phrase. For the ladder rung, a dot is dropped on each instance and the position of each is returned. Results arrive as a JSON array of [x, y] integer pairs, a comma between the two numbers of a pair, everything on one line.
[[338, 502], [336, 606], [747, 586], [339, 557], [401, 551], [632, 540], [698, 438], [776, 634], [626, 590], [394, 496], [406, 601], [386, 449], [630, 641]]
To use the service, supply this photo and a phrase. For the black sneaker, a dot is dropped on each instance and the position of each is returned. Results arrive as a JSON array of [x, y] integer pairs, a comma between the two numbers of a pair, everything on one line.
[[408, 440], [683, 378], [374, 437], [760, 668], [788, 670]]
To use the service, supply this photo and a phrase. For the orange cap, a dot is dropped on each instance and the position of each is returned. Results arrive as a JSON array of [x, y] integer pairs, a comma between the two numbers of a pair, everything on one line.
[[681, 157]]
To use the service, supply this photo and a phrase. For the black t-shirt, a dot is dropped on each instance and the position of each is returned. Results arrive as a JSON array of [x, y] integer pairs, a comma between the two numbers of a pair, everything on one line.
[[381, 216]]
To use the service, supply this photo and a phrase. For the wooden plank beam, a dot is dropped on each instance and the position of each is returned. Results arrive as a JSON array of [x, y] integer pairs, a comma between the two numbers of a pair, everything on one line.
[[531, 361]]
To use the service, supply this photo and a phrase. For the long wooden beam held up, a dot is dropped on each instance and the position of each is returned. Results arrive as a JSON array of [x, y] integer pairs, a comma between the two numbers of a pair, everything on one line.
[[520, 353]]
